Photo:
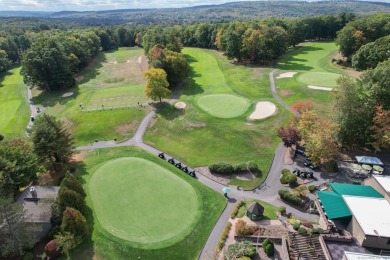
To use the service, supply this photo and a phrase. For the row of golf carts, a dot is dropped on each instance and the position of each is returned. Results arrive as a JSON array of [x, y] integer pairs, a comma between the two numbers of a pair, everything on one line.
[[178, 165]]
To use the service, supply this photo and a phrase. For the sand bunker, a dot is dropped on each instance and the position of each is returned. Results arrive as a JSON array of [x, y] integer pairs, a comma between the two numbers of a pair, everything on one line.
[[180, 105], [320, 88], [263, 109], [286, 75], [67, 94]]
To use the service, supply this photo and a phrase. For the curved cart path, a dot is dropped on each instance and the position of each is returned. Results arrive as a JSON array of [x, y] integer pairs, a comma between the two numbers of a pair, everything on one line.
[[267, 192]]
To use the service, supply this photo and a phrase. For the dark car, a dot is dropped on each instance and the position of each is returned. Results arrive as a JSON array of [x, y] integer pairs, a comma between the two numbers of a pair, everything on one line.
[[297, 172], [300, 151]]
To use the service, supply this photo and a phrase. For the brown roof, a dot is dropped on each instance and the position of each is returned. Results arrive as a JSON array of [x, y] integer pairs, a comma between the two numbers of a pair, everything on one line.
[[256, 208]]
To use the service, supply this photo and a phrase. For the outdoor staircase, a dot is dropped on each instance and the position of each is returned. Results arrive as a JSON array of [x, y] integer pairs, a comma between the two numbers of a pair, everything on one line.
[[305, 246]]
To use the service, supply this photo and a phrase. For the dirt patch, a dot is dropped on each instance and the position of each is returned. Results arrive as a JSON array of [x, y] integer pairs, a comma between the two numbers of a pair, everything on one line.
[[263, 110], [127, 128], [192, 125], [224, 179], [67, 94], [286, 93], [79, 157], [286, 75], [180, 105], [320, 88]]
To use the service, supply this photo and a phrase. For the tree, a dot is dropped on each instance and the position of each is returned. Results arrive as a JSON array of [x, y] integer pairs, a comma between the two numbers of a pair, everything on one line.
[[72, 183], [176, 67], [303, 106], [52, 142], [156, 84], [16, 236], [66, 241], [370, 54], [268, 246], [289, 135], [381, 128], [306, 124], [18, 164], [74, 222], [69, 198]]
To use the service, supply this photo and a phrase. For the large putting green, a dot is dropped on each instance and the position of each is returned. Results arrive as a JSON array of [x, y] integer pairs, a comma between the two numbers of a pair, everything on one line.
[[223, 105], [324, 79], [141, 202]]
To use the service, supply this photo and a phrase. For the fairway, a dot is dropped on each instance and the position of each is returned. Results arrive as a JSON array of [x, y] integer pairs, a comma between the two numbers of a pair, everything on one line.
[[223, 105], [141, 202], [324, 79]]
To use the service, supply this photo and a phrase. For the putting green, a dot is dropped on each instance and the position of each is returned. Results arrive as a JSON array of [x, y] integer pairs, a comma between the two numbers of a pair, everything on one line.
[[142, 202], [324, 79], [223, 105]]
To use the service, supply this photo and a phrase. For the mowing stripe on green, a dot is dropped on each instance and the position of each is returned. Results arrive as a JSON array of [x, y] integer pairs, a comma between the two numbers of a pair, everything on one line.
[[143, 203], [223, 105], [323, 79]]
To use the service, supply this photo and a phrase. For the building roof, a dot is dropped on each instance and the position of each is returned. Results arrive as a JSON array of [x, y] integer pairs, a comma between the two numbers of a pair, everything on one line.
[[360, 256], [372, 214], [355, 190], [256, 208], [368, 160], [384, 181], [334, 205], [38, 203], [336, 249]]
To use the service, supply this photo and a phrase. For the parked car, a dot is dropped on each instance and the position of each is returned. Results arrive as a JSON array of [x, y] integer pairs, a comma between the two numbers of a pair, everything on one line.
[[300, 151], [297, 172], [308, 163]]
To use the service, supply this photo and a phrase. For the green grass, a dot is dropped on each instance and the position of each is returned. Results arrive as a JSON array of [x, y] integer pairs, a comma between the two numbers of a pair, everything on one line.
[[223, 105], [312, 63], [143, 202], [199, 139], [14, 109], [112, 81], [269, 210], [152, 173]]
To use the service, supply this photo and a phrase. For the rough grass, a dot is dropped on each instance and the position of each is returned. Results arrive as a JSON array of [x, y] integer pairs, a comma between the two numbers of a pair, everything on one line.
[[269, 210], [223, 105], [306, 59], [103, 245], [199, 139], [14, 108], [113, 79], [143, 202]]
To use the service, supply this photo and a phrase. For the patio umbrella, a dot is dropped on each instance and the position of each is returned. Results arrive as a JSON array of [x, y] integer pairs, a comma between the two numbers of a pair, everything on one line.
[[226, 189], [378, 168], [367, 167]]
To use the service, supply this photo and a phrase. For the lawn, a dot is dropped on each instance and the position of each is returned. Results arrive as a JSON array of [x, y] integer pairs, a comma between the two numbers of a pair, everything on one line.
[[199, 139], [161, 207], [14, 108], [113, 80], [269, 210], [137, 200], [223, 105], [312, 63]]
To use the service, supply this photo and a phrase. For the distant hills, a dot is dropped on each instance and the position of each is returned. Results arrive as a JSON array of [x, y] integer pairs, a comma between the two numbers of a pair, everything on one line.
[[228, 11]]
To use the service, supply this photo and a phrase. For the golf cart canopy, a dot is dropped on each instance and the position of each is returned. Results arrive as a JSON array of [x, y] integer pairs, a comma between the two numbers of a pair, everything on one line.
[[368, 160]]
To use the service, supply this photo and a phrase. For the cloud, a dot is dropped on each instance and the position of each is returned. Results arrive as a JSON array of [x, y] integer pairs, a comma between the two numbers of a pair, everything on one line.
[[91, 5]]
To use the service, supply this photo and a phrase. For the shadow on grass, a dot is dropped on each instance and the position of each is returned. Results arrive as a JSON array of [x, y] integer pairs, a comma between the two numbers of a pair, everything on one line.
[[3, 75], [92, 70], [170, 112], [192, 88]]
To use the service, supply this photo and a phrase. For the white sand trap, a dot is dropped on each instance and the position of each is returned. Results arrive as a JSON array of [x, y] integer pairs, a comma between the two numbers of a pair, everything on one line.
[[180, 105], [67, 94], [286, 75], [320, 88], [263, 109]]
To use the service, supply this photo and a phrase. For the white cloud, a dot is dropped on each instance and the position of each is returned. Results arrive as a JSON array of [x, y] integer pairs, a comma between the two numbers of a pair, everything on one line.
[[85, 5]]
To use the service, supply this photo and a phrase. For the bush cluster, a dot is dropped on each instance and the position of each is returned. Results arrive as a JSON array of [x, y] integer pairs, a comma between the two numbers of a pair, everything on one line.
[[224, 236], [302, 230], [268, 246], [227, 168], [236, 209], [240, 249], [242, 229], [289, 197], [312, 188], [288, 178]]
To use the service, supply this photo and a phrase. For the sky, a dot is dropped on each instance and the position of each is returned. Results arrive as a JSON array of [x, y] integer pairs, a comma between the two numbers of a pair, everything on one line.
[[93, 5]]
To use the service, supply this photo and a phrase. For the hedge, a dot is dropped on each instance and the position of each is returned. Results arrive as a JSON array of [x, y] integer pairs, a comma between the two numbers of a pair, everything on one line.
[[236, 209], [226, 168], [289, 197], [223, 238]]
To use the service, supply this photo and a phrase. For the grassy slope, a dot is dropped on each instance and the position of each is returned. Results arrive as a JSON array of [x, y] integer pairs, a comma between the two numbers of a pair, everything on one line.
[[269, 210], [307, 57], [14, 109], [103, 244], [199, 139], [93, 91], [161, 213]]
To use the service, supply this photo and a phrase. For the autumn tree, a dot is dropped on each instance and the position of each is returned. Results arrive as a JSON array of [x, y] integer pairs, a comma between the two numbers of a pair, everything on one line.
[[381, 128], [18, 164], [52, 141], [289, 135], [74, 222], [303, 106], [157, 86], [306, 124]]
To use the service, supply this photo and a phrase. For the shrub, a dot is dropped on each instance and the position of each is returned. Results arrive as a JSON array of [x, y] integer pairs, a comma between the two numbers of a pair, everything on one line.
[[236, 209], [252, 166], [74, 222], [285, 171], [289, 197], [302, 230], [268, 246], [284, 179], [71, 182], [282, 210], [70, 198], [224, 236], [222, 167], [292, 179], [56, 213], [307, 224], [52, 249], [240, 249], [28, 256], [311, 188], [243, 229], [296, 226], [317, 230], [240, 168], [288, 177], [332, 166], [55, 230]]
